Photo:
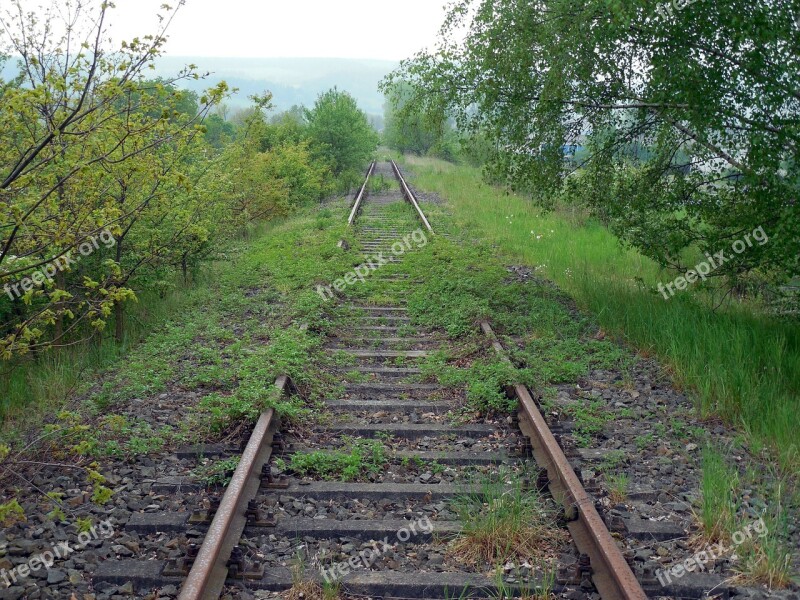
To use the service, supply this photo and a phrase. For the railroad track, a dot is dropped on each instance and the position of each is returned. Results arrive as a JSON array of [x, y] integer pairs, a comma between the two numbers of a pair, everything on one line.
[[383, 537]]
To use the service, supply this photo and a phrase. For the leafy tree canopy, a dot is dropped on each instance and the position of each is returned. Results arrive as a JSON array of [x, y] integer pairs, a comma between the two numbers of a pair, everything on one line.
[[408, 130], [342, 132]]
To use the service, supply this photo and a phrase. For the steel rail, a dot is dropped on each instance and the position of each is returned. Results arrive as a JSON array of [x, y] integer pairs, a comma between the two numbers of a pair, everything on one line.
[[409, 195], [361, 195], [207, 576], [610, 572]]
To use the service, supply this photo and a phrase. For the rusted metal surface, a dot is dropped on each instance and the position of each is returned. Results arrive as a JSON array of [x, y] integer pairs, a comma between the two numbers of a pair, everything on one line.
[[210, 569], [409, 195], [361, 194], [610, 572]]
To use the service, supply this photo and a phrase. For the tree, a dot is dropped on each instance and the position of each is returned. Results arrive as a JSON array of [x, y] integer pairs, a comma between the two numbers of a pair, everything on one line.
[[270, 170], [288, 127], [342, 134], [78, 117], [219, 132], [708, 92], [408, 130]]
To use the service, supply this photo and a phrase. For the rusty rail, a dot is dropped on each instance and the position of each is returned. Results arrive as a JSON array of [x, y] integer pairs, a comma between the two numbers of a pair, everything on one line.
[[361, 194], [610, 572], [409, 195], [207, 576]]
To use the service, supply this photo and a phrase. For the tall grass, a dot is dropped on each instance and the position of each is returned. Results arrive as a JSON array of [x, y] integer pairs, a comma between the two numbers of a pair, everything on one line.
[[42, 382], [504, 523], [740, 365], [718, 511]]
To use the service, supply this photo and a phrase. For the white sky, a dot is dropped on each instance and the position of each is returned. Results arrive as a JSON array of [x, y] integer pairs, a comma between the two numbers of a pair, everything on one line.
[[288, 28]]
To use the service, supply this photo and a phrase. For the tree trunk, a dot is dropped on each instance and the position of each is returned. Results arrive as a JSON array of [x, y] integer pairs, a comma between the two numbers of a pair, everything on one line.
[[119, 316], [184, 267], [119, 310], [60, 285]]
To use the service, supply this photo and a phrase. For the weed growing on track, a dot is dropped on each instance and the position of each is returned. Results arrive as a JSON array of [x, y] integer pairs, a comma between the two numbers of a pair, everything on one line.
[[11, 513], [543, 589], [770, 560], [358, 460], [504, 523], [312, 590], [617, 487], [763, 560], [305, 587], [718, 509], [458, 289], [590, 418], [483, 381], [217, 473]]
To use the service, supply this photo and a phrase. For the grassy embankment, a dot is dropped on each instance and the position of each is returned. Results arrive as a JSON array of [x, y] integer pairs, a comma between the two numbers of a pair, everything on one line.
[[209, 334], [740, 365]]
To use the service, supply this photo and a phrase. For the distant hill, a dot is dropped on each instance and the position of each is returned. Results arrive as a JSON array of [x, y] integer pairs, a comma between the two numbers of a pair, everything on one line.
[[291, 80]]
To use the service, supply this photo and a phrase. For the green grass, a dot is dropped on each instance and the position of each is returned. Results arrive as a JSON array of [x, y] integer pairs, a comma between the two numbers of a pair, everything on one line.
[[217, 473], [739, 364], [718, 509], [358, 460], [458, 288], [764, 551], [502, 523]]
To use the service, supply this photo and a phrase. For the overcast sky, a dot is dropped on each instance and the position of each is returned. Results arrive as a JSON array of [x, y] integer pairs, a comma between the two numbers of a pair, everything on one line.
[[288, 28]]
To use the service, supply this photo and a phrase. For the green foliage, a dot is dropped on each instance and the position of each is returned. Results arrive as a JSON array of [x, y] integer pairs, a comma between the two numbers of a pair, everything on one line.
[[484, 381], [764, 550], [503, 523], [411, 131], [83, 525], [217, 473], [618, 486], [590, 418], [448, 299], [767, 558], [462, 288], [101, 494], [342, 134], [718, 511], [11, 513], [91, 149], [73, 432], [359, 460], [265, 287], [286, 128], [218, 132], [144, 164], [57, 513]]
